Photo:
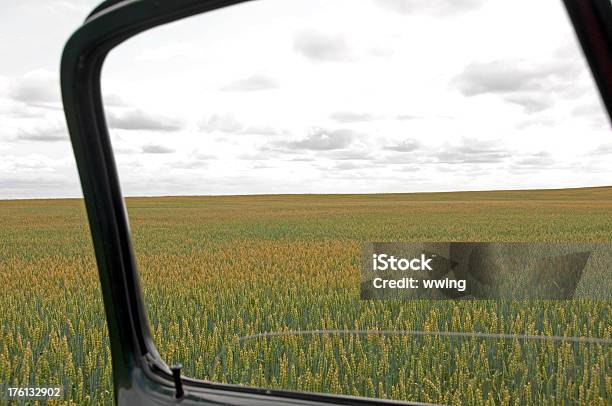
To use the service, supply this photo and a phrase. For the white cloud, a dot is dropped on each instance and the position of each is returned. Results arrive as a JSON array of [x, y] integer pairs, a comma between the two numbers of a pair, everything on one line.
[[534, 85], [351, 116], [408, 145], [136, 119], [320, 139], [157, 149], [36, 87], [434, 7], [226, 123], [322, 47], [50, 132], [251, 83]]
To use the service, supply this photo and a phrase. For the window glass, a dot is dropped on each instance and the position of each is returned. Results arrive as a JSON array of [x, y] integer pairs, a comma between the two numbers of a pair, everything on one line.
[[263, 146]]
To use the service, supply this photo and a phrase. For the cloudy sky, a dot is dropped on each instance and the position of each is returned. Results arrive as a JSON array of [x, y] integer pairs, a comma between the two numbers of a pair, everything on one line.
[[314, 96]]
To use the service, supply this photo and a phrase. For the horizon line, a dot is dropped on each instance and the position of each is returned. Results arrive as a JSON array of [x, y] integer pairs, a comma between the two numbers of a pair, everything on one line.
[[320, 194]]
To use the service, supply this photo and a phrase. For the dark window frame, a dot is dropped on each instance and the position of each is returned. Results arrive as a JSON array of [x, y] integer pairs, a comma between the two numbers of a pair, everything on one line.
[[140, 376]]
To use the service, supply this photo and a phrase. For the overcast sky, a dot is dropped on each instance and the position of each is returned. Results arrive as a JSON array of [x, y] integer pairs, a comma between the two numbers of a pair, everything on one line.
[[314, 96]]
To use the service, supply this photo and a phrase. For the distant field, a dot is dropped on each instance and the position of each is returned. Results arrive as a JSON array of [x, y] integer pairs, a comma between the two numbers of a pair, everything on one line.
[[217, 268]]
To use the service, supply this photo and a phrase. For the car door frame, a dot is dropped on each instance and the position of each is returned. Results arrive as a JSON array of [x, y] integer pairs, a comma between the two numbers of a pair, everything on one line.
[[140, 376]]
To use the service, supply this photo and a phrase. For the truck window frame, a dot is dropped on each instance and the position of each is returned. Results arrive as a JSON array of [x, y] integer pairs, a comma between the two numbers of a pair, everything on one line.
[[140, 376]]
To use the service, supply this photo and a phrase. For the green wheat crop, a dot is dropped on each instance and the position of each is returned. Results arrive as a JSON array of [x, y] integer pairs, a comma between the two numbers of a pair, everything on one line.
[[215, 269]]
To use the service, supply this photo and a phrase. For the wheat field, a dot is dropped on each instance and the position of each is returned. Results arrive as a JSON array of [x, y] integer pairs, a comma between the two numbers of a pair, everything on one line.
[[215, 269]]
